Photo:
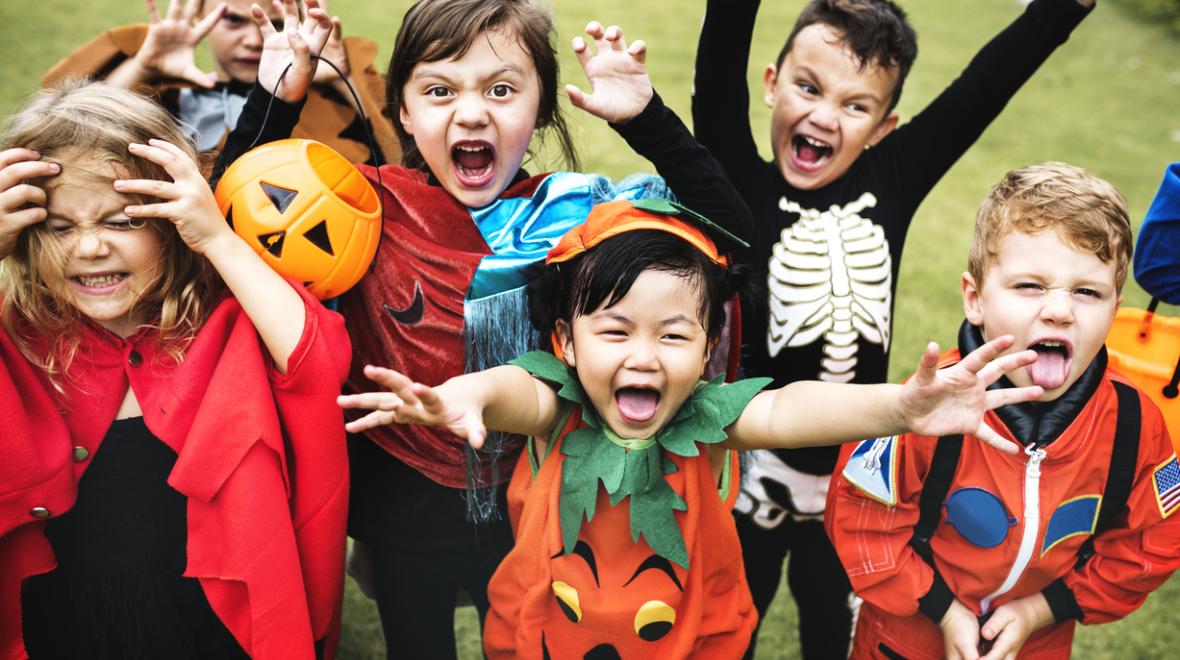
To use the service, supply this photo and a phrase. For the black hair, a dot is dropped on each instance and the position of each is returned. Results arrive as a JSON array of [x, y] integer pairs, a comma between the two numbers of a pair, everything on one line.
[[876, 31], [605, 274]]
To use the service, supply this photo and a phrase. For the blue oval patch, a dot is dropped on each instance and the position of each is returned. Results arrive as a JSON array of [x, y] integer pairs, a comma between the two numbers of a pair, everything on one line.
[[978, 516]]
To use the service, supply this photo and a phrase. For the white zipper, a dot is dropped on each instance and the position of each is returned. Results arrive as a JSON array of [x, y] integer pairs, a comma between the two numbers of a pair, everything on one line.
[[1032, 525]]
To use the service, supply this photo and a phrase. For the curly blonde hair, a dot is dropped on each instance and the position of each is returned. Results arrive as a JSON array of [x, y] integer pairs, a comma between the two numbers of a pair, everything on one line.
[[1087, 212], [87, 127]]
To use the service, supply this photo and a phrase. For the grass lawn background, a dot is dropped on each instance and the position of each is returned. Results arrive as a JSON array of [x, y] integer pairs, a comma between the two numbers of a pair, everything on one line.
[[1107, 101]]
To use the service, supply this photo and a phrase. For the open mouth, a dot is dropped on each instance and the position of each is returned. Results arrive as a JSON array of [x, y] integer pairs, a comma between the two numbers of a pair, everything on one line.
[[100, 282], [475, 162], [809, 151], [1051, 369], [637, 405]]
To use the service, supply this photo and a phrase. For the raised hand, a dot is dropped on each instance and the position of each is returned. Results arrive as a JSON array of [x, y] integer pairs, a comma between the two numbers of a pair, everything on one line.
[[294, 45], [168, 49], [188, 202], [937, 402], [21, 204], [619, 84], [334, 52], [407, 402]]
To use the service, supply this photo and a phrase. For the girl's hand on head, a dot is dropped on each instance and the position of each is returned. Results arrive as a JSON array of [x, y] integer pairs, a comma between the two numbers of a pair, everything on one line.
[[937, 402], [188, 202], [21, 204], [168, 49], [407, 402], [294, 45], [620, 87]]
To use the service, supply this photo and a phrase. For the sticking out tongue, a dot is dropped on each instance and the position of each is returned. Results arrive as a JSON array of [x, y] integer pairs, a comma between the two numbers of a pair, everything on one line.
[[1051, 368], [637, 405], [473, 160]]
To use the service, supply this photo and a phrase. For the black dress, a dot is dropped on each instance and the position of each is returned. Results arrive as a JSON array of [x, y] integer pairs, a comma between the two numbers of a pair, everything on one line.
[[118, 590]]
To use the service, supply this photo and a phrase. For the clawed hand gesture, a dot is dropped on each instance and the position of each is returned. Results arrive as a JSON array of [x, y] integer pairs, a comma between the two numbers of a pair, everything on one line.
[[168, 49], [22, 204], [334, 52], [937, 402], [407, 402], [186, 202], [620, 86], [293, 46]]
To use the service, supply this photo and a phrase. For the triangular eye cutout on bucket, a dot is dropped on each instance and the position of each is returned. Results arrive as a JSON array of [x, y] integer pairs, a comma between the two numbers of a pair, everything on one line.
[[319, 236], [280, 197], [273, 242], [229, 217]]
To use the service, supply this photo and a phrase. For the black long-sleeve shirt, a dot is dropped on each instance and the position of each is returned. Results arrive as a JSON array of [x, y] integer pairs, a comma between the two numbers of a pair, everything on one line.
[[828, 258]]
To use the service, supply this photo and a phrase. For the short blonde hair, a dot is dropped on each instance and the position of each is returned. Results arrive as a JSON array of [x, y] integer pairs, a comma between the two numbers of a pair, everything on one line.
[[81, 124], [1087, 212]]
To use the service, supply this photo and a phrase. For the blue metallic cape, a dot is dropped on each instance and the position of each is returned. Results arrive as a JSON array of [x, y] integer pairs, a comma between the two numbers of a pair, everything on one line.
[[520, 231]]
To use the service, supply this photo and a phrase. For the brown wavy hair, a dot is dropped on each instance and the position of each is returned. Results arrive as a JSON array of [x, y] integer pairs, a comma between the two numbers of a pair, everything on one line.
[[86, 127], [1087, 212]]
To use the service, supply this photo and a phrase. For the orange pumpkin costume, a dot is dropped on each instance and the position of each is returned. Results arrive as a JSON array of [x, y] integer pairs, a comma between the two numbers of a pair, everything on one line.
[[612, 591]]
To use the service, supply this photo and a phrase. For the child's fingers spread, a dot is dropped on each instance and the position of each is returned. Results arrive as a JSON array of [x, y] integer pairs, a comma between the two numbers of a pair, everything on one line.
[[12, 174], [976, 360], [262, 21], [206, 24], [153, 11], [370, 421], [387, 378], [166, 211], [290, 13], [22, 195], [594, 30], [1003, 397], [26, 217], [153, 187], [638, 50], [991, 438], [1006, 364], [576, 96], [386, 401], [614, 36], [157, 151], [190, 10], [175, 7], [927, 365], [477, 433], [431, 402]]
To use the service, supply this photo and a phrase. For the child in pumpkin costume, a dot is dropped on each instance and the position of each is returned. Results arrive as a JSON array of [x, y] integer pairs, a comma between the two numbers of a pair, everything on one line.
[[647, 563]]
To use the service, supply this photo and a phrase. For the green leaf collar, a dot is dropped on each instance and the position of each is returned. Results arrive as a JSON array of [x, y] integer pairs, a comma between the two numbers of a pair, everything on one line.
[[636, 469]]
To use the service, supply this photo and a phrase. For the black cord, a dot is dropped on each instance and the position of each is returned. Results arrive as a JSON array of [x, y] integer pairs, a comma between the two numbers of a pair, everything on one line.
[[378, 157]]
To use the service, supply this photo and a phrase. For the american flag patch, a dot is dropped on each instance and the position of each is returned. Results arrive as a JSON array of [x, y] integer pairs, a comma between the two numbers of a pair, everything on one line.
[[1167, 486]]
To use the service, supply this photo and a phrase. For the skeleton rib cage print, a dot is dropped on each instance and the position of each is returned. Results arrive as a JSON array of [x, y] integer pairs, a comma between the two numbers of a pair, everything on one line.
[[830, 279]]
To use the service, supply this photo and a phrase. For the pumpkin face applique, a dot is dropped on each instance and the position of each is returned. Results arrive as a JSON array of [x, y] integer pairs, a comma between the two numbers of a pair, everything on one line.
[[612, 607]]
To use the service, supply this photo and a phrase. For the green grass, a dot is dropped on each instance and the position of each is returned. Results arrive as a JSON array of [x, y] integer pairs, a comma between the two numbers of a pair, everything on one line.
[[1106, 101]]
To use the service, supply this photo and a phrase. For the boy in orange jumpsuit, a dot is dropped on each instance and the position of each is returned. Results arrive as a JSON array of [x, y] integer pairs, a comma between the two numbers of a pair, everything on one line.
[[960, 550]]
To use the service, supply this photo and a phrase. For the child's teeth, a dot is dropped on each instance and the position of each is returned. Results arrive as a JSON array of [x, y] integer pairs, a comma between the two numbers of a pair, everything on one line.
[[101, 280], [1052, 344]]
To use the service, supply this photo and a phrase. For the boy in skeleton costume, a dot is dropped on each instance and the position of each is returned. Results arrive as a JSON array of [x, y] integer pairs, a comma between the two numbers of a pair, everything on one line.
[[959, 551], [830, 220]]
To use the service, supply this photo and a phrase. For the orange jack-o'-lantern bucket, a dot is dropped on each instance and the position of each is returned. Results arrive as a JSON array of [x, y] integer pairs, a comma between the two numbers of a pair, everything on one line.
[[306, 210], [1145, 347]]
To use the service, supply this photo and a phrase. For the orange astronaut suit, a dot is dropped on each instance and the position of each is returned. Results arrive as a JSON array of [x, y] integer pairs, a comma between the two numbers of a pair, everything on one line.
[[1010, 525]]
